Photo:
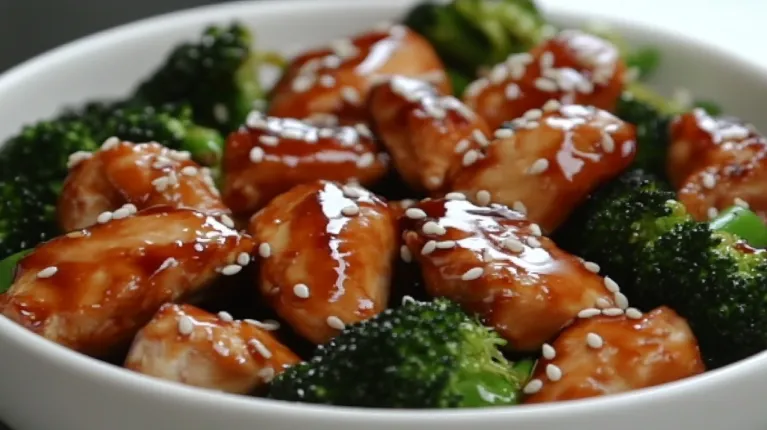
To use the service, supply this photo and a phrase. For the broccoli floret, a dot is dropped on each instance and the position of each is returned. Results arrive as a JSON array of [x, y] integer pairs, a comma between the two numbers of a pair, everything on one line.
[[33, 166], [8, 269], [420, 355], [471, 34], [652, 129], [644, 239], [217, 75]]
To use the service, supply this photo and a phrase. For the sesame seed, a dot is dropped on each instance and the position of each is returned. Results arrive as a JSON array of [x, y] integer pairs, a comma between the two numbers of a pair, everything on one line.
[[608, 144], [363, 130], [553, 372], [480, 138], [180, 155], [473, 274], [264, 250], [225, 316], [272, 140], [740, 202], [268, 325], [365, 160], [429, 247], [611, 285], [255, 119], [351, 210], [104, 217], [446, 244], [589, 312], [536, 230], [415, 213], [462, 146], [621, 300], [225, 220], [405, 254], [351, 192], [47, 272], [260, 348], [594, 340], [198, 247], [301, 291], [552, 105], [633, 313], [455, 196], [243, 259], [547, 60], [110, 143], [603, 303], [185, 325], [533, 114], [302, 83], [77, 157], [533, 386], [539, 166], [520, 207], [513, 245], [591, 266], [189, 171], [512, 91], [709, 181], [327, 81], [498, 74], [121, 213], [483, 197], [266, 374], [336, 323], [548, 352], [351, 95], [546, 85], [160, 184], [331, 61], [231, 269], [712, 213], [612, 312], [504, 133], [533, 242], [470, 157], [531, 125]]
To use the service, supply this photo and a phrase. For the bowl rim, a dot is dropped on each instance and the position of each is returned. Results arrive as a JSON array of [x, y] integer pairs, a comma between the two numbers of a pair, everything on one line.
[[139, 384]]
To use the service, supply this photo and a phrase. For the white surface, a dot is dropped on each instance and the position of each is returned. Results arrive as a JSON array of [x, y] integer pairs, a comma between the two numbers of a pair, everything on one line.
[[44, 386]]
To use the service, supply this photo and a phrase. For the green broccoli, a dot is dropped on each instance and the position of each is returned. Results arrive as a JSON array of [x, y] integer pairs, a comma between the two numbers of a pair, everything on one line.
[[8, 269], [33, 166], [217, 75], [652, 128], [643, 238], [420, 355], [471, 34]]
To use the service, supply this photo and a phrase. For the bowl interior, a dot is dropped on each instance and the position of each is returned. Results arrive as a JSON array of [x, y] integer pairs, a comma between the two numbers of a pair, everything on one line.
[[111, 63]]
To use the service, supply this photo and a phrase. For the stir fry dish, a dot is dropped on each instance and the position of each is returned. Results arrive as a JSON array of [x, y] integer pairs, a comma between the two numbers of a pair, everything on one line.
[[467, 208]]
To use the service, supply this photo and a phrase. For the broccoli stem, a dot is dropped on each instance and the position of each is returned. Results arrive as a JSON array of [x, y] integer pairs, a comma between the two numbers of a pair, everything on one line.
[[205, 144], [8, 269], [742, 223]]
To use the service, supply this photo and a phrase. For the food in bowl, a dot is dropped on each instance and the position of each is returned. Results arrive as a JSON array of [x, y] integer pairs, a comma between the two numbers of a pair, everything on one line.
[[406, 220]]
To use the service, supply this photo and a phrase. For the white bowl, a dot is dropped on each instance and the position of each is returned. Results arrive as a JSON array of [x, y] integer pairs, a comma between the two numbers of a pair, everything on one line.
[[45, 386]]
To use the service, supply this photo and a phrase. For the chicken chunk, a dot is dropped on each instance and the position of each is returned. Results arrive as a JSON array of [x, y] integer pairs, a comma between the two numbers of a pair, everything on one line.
[[92, 290], [573, 67], [699, 140], [717, 163], [271, 155], [495, 263], [188, 345], [549, 162], [608, 355], [141, 175], [335, 81], [327, 253], [426, 133]]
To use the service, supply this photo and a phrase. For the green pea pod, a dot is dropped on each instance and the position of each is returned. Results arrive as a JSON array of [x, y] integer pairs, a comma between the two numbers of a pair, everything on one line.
[[742, 223], [8, 269]]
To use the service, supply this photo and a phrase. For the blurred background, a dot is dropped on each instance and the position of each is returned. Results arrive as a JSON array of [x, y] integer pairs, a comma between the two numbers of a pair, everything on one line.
[[30, 27]]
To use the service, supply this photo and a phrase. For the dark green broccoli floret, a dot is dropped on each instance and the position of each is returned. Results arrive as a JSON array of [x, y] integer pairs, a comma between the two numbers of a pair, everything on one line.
[[420, 355], [659, 255], [8, 269], [471, 34], [652, 129], [217, 75], [33, 166]]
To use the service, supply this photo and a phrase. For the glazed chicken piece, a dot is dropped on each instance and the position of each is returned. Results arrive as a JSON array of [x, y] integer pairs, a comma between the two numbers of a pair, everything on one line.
[[334, 82], [185, 344], [426, 133], [573, 67], [92, 290], [495, 263], [141, 175], [613, 354], [326, 256], [716, 163], [549, 162], [271, 155]]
